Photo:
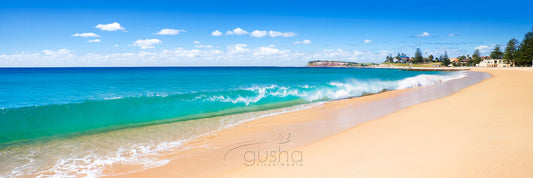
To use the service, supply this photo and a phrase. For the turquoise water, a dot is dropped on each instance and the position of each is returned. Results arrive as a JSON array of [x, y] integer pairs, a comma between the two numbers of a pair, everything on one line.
[[44, 102], [74, 122]]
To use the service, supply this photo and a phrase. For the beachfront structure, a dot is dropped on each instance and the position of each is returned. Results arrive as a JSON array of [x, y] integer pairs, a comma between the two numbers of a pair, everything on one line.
[[452, 60], [404, 59], [493, 63]]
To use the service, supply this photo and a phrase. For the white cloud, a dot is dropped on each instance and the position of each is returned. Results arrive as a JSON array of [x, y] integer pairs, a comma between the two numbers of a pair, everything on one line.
[[110, 27], [303, 42], [94, 41], [196, 42], [258, 34], [452, 34], [216, 33], [203, 46], [116, 45], [168, 31], [269, 51], [55, 53], [362, 53], [237, 31], [483, 49], [367, 41], [147, 43], [238, 48], [281, 34], [425, 34], [86, 35], [255, 33]]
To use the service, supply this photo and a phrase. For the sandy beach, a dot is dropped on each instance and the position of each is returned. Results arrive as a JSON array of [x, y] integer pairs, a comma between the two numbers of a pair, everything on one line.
[[482, 130]]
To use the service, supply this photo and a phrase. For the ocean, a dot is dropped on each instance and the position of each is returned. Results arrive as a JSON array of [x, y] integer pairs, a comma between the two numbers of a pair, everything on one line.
[[79, 121]]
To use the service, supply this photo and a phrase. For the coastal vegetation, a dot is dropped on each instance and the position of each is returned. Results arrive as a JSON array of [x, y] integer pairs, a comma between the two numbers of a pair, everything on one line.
[[517, 53]]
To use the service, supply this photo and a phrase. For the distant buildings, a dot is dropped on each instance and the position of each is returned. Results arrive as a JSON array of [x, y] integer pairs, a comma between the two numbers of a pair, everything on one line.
[[454, 60], [402, 59], [487, 62]]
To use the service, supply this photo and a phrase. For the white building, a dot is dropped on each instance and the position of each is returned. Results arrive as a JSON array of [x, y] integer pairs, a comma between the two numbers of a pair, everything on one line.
[[493, 63]]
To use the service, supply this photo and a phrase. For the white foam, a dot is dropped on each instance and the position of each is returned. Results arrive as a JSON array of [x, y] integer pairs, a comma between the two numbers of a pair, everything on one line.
[[426, 80], [335, 90]]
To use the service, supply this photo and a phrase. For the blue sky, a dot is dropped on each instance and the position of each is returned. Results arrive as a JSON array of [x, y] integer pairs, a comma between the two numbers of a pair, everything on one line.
[[36, 33]]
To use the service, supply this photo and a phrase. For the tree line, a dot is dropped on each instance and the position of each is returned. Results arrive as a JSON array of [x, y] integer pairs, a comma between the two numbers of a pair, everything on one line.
[[518, 53], [521, 55]]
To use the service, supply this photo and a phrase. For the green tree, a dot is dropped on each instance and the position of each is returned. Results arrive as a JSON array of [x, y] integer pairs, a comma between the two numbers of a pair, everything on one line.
[[430, 58], [496, 54], [418, 56], [476, 54], [445, 60], [525, 50], [389, 58], [510, 51], [476, 58], [460, 59]]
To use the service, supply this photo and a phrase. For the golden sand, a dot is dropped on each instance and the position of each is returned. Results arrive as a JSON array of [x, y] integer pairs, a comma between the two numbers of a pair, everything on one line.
[[483, 130]]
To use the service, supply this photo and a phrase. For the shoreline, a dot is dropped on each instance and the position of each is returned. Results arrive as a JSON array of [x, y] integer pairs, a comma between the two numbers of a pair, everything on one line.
[[483, 131], [325, 121]]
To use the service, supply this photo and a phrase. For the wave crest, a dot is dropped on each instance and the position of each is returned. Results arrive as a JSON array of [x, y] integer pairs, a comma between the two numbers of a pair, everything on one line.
[[330, 91]]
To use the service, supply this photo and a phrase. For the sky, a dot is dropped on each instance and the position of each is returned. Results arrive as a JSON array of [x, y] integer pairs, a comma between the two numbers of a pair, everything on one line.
[[249, 33]]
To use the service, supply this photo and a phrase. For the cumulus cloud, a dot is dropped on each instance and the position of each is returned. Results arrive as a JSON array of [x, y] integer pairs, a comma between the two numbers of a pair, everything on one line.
[[216, 33], [146, 43], [237, 31], [452, 34], [168, 31], [425, 34], [116, 45], [268, 51], [86, 35], [281, 34], [55, 53], [203, 46], [367, 41], [303, 42], [110, 27], [238, 48], [196, 42], [358, 53], [94, 41], [484, 48], [258, 34]]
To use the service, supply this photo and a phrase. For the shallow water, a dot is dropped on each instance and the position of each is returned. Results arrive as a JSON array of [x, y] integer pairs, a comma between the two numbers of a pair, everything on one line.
[[72, 121]]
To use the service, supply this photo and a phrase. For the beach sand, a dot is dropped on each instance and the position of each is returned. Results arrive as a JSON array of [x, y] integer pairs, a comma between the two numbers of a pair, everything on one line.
[[483, 130]]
